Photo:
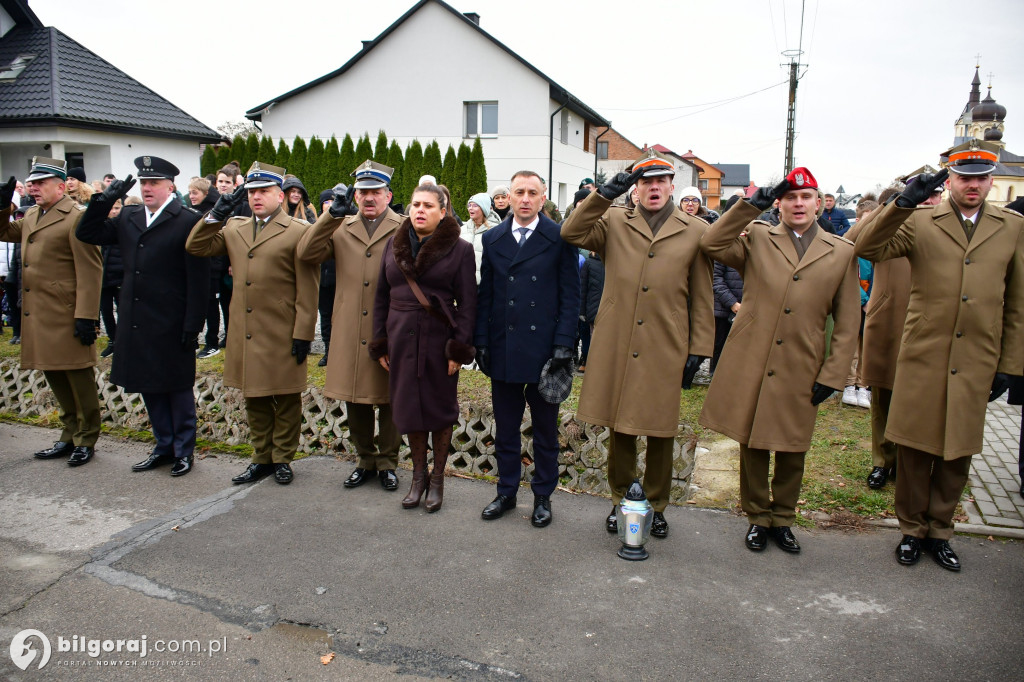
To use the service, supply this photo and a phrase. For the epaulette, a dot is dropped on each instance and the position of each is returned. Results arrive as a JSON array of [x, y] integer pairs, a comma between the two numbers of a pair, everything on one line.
[[301, 221], [189, 208], [80, 207], [843, 239], [1012, 212], [762, 222]]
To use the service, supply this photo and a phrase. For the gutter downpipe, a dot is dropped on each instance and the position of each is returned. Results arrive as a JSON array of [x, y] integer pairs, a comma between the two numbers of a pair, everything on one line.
[[551, 143]]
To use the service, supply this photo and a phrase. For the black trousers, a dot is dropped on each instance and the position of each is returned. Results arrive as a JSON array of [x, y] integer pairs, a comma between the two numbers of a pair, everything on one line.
[[722, 327], [225, 303], [509, 401], [213, 317], [326, 307], [108, 300], [173, 417]]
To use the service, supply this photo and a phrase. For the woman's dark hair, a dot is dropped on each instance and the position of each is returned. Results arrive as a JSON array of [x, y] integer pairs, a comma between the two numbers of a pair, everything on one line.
[[433, 189]]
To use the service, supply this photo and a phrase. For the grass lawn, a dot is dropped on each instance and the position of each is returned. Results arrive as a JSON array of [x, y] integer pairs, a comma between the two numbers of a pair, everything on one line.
[[836, 467]]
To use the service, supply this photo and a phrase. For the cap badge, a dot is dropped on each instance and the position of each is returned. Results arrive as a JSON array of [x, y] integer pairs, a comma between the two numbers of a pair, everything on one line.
[[146, 161], [799, 179]]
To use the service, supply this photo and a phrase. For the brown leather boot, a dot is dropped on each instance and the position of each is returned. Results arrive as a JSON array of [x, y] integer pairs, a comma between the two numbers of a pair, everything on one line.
[[418, 446], [442, 442]]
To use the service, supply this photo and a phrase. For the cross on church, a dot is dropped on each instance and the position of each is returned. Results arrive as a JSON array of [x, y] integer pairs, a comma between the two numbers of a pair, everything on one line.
[[990, 74], [977, 61]]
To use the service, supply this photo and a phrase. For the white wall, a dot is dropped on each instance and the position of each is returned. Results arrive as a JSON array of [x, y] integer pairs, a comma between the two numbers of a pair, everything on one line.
[[103, 152], [429, 105], [6, 22]]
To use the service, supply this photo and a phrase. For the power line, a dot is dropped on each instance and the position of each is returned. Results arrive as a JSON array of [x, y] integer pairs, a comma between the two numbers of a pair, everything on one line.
[[691, 106], [771, 15], [715, 106]]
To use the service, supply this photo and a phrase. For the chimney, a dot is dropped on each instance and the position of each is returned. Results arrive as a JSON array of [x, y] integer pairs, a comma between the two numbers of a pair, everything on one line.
[[472, 16]]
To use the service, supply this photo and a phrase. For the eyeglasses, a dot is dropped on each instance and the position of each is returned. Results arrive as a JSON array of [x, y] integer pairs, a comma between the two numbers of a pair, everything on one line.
[[690, 200]]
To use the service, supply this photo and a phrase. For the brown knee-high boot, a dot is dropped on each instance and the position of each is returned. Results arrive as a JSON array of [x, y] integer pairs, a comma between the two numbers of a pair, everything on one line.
[[418, 446], [442, 442]]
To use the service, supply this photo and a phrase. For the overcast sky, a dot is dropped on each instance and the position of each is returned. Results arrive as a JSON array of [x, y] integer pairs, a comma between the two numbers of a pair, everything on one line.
[[883, 82]]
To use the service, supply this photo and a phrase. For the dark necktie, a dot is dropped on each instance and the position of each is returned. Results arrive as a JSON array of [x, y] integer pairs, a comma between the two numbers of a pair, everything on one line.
[[522, 235]]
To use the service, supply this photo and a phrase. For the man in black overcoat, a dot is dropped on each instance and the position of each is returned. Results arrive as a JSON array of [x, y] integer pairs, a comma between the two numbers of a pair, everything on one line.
[[162, 307]]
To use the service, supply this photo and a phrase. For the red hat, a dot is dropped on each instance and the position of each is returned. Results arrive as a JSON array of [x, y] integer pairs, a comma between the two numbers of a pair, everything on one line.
[[801, 178]]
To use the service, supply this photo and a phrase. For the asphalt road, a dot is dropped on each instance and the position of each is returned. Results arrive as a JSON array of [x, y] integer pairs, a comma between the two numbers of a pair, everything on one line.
[[269, 578]]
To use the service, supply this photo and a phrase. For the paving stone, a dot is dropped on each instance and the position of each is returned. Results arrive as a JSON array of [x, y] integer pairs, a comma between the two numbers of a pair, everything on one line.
[[1004, 504], [981, 493], [987, 508], [1004, 522], [987, 476], [996, 491]]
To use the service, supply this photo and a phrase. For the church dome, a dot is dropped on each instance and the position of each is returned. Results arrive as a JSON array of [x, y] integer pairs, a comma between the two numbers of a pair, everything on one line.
[[993, 135], [988, 110]]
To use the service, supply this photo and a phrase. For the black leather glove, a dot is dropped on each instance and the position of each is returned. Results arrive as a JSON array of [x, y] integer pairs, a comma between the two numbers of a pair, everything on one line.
[[763, 198], [819, 393], [483, 359], [85, 330], [227, 203], [7, 193], [561, 356], [921, 188], [190, 340], [343, 205], [1000, 384], [116, 190], [693, 363], [620, 184], [300, 349]]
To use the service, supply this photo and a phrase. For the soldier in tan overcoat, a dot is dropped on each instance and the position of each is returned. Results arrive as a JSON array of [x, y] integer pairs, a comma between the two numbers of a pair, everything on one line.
[[964, 335], [880, 343], [773, 371], [273, 314], [356, 242], [61, 280], [654, 326]]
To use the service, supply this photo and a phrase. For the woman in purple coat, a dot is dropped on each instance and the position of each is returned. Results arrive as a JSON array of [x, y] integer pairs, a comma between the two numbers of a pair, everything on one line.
[[423, 319]]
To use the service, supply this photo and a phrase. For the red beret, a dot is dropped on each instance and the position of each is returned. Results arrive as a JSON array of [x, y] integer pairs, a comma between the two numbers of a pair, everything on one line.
[[801, 178]]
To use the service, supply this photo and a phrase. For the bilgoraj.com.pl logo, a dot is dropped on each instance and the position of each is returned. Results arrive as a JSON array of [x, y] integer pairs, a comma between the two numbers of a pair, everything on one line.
[[29, 643]]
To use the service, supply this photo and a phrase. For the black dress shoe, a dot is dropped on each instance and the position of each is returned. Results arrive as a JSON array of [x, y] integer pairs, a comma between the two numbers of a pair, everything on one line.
[[80, 455], [498, 507], [659, 527], [58, 449], [908, 552], [182, 465], [388, 479], [323, 361], [757, 538], [783, 537], [358, 477], [283, 473], [254, 473], [152, 462], [611, 523], [944, 554], [541, 511], [878, 477]]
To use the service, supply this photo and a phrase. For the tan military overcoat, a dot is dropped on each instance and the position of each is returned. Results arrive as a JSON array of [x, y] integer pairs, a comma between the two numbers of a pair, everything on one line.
[[273, 300], [884, 317], [761, 391], [352, 374], [965, 320], [61, 281], [657, 308]]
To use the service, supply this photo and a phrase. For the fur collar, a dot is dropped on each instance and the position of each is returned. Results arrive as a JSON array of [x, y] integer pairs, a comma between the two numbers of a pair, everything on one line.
[[437, 247]]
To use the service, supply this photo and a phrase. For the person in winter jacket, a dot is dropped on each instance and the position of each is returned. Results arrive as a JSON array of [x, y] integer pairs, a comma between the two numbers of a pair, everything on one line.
[[297, 199], [481, 219]]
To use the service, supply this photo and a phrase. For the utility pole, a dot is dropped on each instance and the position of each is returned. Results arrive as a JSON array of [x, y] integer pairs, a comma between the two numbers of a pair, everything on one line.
[[791, 114]]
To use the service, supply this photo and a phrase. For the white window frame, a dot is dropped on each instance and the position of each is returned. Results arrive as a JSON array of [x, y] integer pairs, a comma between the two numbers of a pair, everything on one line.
[[479, 122]]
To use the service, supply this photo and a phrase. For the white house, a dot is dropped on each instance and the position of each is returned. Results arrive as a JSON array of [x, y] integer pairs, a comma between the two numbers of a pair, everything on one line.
[[60, 100], [523, 118]]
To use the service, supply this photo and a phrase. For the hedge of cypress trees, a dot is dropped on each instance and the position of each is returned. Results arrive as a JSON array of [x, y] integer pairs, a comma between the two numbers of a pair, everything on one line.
[[320, 166]]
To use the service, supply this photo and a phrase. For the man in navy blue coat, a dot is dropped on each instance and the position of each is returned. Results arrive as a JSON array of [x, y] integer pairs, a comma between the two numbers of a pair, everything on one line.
[[162, 307], [527, 306]]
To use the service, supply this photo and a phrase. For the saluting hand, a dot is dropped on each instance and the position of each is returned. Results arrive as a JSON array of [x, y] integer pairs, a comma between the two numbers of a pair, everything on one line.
[[620, 184], [343, 205], [227, 203], [7, 193], [764, 197], [921, 188], [117, 189]]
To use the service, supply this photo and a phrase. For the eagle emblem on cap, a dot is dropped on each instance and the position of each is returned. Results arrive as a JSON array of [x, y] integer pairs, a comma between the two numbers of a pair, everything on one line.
[[146, 161], [799, 179]]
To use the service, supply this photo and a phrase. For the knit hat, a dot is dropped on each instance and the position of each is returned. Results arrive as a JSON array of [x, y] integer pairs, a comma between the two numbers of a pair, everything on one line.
[[690, 192], [77, 173], [580, 196], [499, 190], [483, 201]]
